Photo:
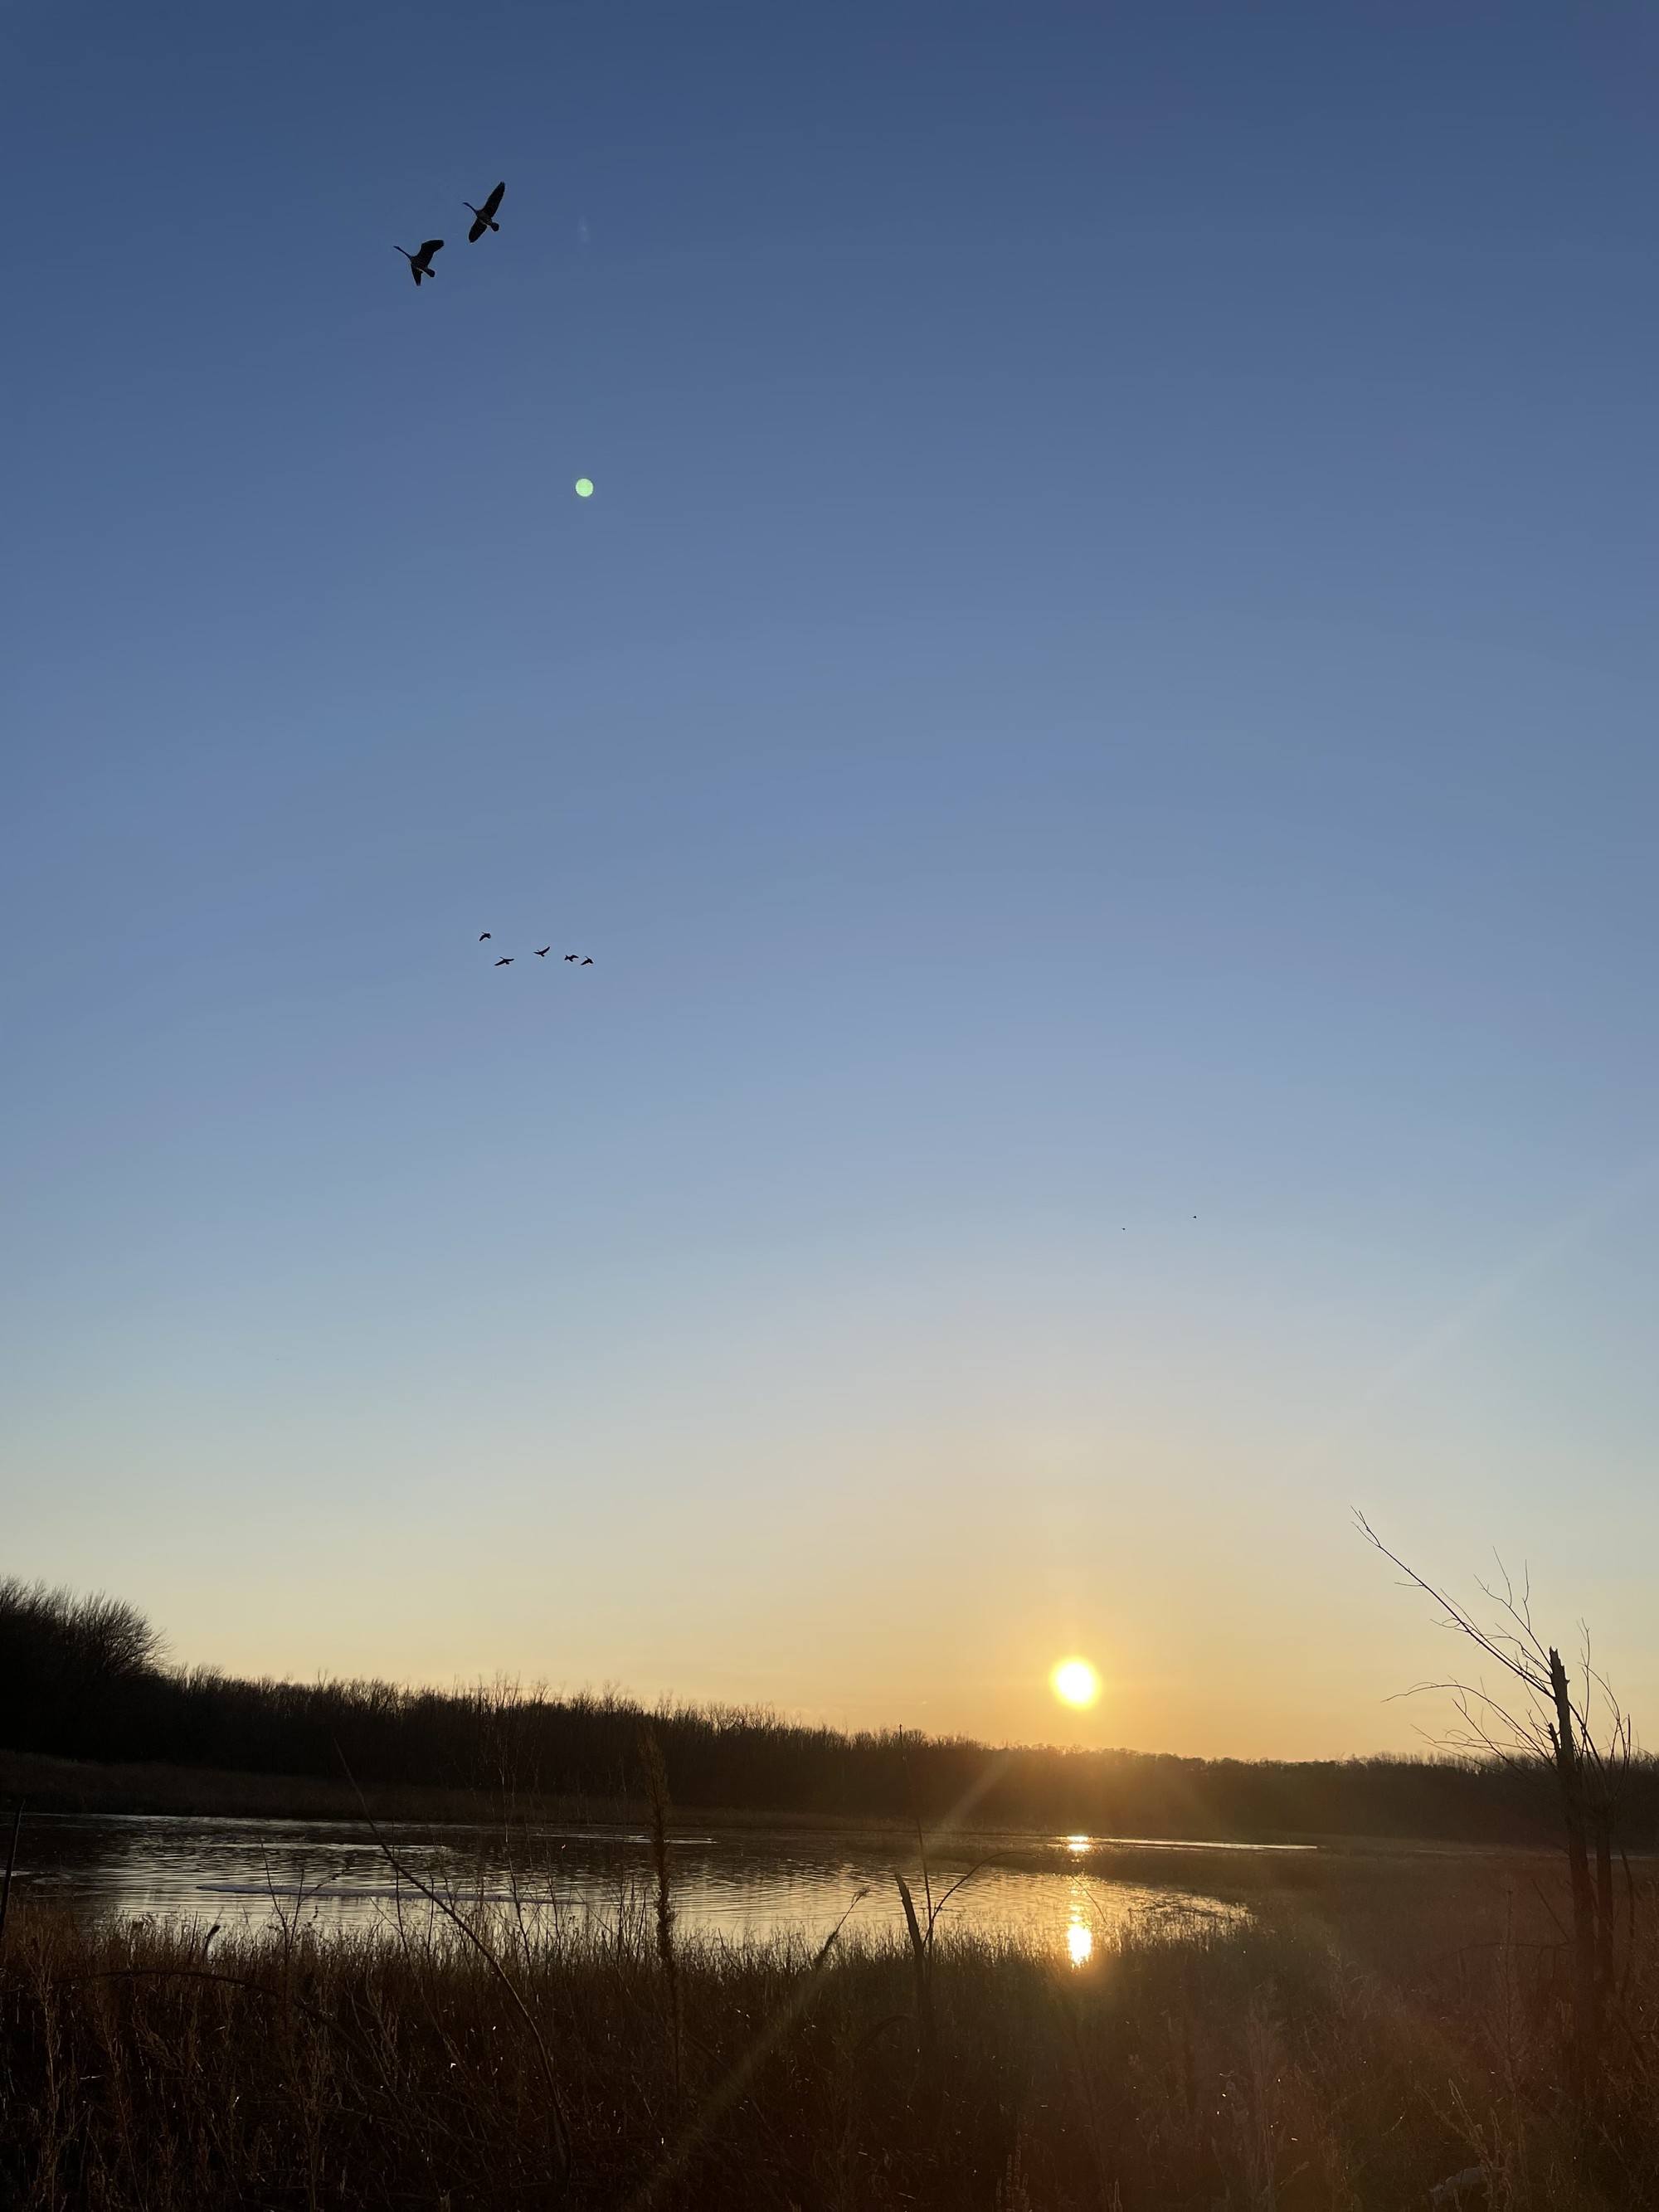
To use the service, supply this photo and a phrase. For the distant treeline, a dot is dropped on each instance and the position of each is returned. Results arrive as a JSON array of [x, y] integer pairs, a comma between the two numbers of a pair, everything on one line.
[[85, 1677]]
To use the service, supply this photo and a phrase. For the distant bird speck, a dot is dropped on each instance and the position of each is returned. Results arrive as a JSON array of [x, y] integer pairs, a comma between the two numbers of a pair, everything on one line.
[[542, 952], [573, 956], [587, 963], [483, 937], [508, 963], [420, 264], [484, 218]]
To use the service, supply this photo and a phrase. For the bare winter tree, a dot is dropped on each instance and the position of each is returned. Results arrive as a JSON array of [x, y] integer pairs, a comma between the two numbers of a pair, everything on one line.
[[1579, 1733], [64, 1659]]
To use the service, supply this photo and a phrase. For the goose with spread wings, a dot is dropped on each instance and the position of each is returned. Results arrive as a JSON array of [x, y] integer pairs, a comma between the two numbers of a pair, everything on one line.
[[484, 218], [420, 264]]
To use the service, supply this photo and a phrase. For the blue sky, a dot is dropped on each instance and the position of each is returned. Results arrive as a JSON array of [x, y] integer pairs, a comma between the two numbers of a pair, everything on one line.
[[1108, 678]]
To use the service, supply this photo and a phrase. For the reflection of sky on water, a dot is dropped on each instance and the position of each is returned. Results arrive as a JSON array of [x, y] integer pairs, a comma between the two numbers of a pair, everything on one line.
[[745, 1884]]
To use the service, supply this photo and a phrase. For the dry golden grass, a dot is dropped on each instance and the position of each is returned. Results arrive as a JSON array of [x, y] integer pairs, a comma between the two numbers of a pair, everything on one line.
[[1375, 2029]]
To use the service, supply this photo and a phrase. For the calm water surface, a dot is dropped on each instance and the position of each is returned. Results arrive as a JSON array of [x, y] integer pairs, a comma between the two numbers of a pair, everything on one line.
[[737, 1884]]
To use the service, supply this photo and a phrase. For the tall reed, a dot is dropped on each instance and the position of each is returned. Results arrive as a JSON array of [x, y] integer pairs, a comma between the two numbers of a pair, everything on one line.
[[657, 1811]]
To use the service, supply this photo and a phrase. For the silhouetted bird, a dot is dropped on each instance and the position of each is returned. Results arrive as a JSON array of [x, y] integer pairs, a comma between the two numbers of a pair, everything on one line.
[[420, 264], [570, 956], [587, 963], [504, 964], [485, 215], [483, 937], [542, 952]]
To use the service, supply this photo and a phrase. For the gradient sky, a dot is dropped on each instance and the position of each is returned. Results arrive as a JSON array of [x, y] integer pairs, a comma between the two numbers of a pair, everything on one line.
[[1109, 677]]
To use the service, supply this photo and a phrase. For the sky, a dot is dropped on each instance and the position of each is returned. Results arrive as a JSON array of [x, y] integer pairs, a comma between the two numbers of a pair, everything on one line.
[[1097, 727]]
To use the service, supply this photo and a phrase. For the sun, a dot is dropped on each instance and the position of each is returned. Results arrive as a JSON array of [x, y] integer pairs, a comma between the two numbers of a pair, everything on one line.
[[1074, 1682]]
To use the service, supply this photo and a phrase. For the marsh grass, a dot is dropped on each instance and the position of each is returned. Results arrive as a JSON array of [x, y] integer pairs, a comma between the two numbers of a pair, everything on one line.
[[1367, 2033]]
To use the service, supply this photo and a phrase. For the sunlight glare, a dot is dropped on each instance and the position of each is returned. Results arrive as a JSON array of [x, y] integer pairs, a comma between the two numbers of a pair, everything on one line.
[[1075, 1682], [1079, 1943]]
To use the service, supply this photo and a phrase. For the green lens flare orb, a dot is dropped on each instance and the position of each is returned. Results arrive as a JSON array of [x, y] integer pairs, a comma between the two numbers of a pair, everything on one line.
[[584, 486]]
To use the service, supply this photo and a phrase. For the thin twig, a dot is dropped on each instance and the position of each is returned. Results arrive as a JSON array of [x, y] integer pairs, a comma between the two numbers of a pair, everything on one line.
[[11, 1864]]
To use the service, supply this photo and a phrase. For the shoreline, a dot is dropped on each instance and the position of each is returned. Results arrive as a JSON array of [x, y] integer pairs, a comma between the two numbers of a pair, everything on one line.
[[58, 1789]]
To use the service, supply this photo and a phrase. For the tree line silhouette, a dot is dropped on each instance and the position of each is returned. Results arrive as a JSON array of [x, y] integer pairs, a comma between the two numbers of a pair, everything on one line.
[[87, 1677]]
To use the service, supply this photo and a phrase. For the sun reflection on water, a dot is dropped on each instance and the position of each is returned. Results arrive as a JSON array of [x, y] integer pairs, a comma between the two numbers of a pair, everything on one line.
[[1079, 1943]]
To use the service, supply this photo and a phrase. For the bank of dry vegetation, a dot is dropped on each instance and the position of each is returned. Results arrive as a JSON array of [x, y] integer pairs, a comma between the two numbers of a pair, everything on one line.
[[1371, 2033]]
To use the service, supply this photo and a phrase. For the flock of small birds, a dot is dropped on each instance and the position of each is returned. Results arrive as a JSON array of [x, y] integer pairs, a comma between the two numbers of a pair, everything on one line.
[[483, 219], [541, 952]]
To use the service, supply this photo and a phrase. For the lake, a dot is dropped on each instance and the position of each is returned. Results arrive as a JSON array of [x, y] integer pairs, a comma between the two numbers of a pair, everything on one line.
[[735, 1884]]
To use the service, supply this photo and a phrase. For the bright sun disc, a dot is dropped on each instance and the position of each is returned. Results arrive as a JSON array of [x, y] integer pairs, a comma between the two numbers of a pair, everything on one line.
[[1075, 1682], [584, 487]]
